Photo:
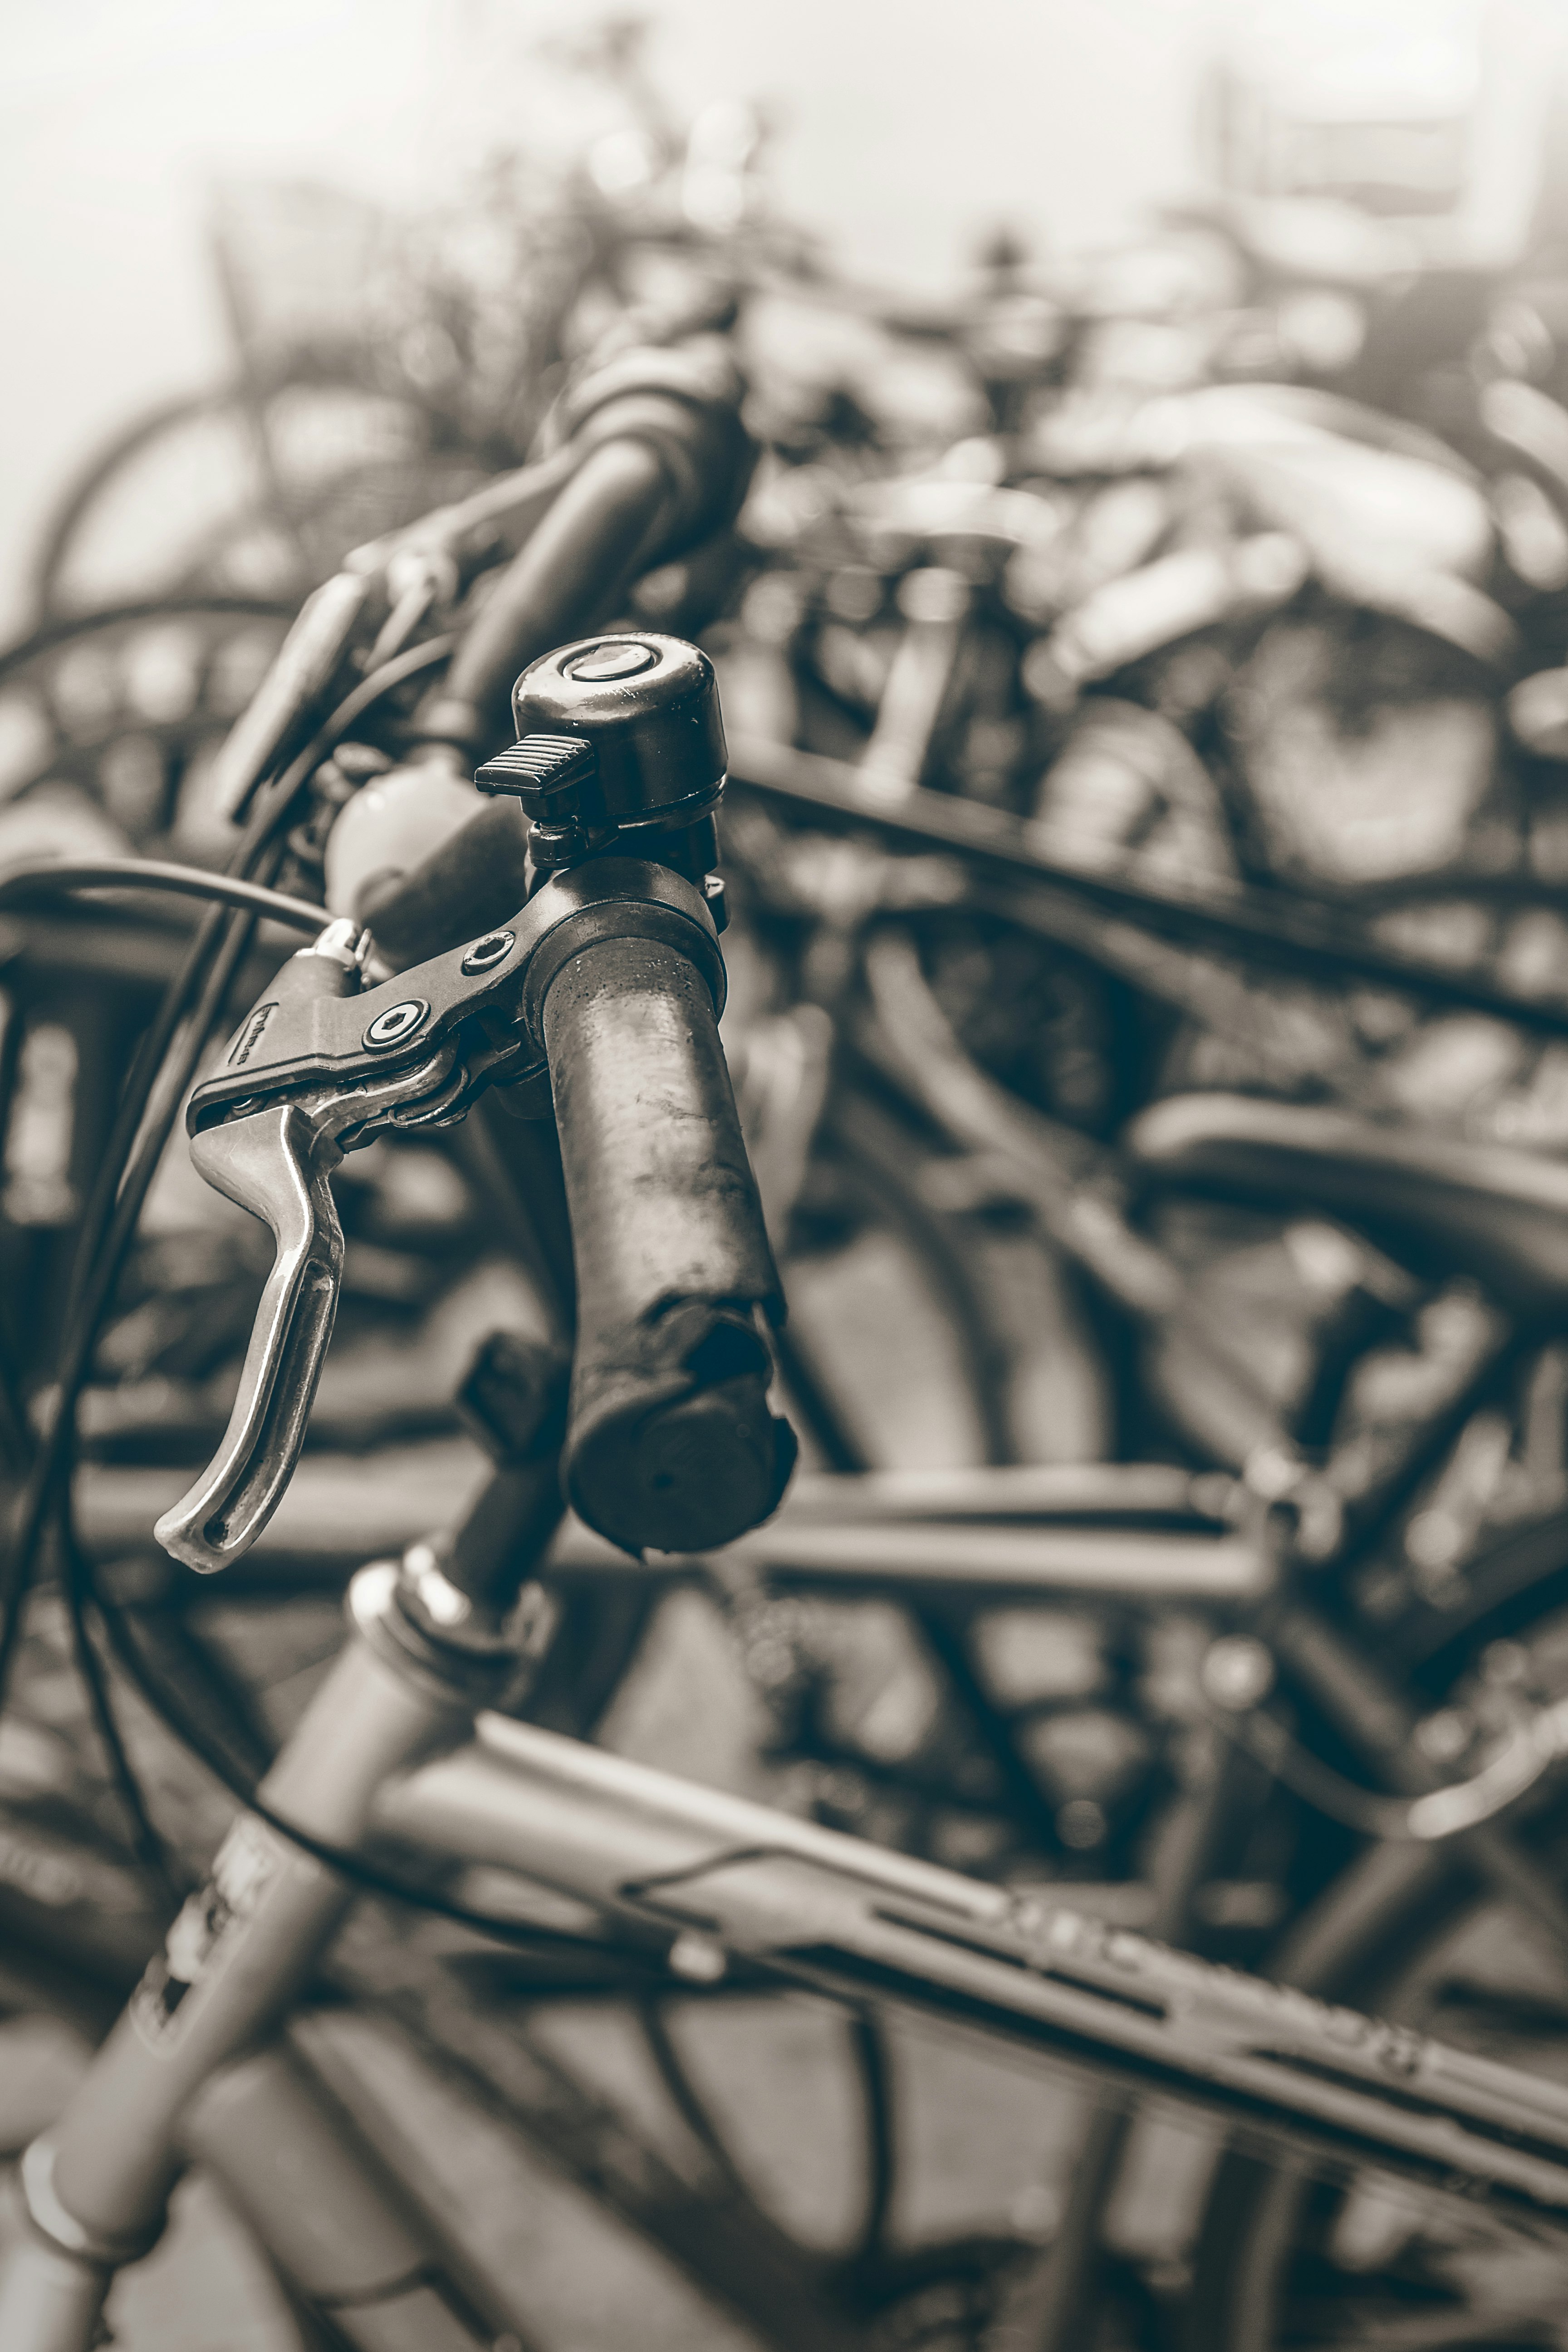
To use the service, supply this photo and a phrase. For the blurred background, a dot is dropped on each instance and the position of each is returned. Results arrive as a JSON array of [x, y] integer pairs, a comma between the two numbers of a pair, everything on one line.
[[900, 145], [1143, 641], [898, 139]]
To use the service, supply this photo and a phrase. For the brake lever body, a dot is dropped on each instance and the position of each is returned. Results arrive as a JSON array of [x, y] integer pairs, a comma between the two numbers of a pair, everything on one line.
[[276, 1163], [311, 1074], [481, 1001]]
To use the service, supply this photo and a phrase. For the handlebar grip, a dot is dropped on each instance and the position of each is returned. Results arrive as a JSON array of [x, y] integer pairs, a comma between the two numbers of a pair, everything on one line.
[[670, 1445]]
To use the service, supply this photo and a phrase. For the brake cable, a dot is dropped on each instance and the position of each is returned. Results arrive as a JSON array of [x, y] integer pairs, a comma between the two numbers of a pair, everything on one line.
[[348, 1863], [72, 875], [107, 1230], [80, 1580]]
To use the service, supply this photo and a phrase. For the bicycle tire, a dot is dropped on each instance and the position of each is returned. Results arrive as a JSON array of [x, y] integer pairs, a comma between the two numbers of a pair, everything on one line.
[[1365, 1942], [281, 520]]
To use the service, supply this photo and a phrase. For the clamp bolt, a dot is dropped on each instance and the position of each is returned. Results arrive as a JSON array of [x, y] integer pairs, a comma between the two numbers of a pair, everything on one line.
[[494, 948], [398, 1022]]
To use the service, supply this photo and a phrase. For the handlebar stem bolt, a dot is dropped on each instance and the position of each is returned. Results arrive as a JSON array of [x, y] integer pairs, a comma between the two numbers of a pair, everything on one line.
[[398, 1022]]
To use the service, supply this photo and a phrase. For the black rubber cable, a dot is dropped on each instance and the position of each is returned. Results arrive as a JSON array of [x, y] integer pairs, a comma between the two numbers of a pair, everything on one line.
[[72, 875], [49, 1492], [873, 2060], [686, 2099], [17, 1568], [96, 1267], [146, 1844], [112, 1212], [170, 1082], [383, 681], [347, 1864]]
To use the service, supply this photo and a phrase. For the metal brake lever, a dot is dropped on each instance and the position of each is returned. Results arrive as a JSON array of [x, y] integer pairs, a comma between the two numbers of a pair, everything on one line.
[[276, 1162], [321, 1065]]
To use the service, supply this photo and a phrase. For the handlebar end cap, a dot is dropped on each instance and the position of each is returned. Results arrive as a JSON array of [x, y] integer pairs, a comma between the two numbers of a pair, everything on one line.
[[695, 1474]]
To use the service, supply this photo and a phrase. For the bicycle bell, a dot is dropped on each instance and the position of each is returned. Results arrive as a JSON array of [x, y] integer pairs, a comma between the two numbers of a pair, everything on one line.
[[620, 743]]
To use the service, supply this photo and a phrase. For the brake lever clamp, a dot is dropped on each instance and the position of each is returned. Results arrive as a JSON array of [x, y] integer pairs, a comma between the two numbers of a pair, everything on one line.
[[321, 1065], [481, 1001]]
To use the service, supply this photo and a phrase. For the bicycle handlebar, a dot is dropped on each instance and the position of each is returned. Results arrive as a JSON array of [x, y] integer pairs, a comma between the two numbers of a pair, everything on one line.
[[670, 1445], [577, 557], [585, 546], [658, 435], [665, 462], [275, 720], [606, 985]]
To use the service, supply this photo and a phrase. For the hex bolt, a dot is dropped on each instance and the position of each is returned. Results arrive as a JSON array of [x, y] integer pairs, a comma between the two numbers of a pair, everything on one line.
[[491, 950], [398, 1022]]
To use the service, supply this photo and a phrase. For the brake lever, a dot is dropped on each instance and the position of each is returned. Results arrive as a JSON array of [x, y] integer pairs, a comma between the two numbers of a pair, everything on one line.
[[320, 1067], [276, 1163]]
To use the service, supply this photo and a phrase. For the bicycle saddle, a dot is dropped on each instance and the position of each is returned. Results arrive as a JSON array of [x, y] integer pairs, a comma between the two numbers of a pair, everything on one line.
[[1447, 1206]]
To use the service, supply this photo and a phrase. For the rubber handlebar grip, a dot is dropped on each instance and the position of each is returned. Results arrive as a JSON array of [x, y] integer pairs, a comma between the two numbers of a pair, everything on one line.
[[670, 1444]]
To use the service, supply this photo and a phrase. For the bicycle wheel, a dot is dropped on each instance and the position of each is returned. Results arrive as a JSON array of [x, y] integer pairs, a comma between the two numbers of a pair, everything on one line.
[[107, 725], [114, 716], [247, 488], [1418, 1935]]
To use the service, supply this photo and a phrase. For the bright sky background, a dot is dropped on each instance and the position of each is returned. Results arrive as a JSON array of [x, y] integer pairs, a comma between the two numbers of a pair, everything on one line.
[[906, 126]]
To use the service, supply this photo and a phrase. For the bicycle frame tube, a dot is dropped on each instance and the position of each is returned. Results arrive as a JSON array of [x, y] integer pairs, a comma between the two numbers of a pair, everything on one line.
[[235, 1957], [1276, 928], [712, 1875], [720, 1874], [1089, 1533], [1018, 1563]]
